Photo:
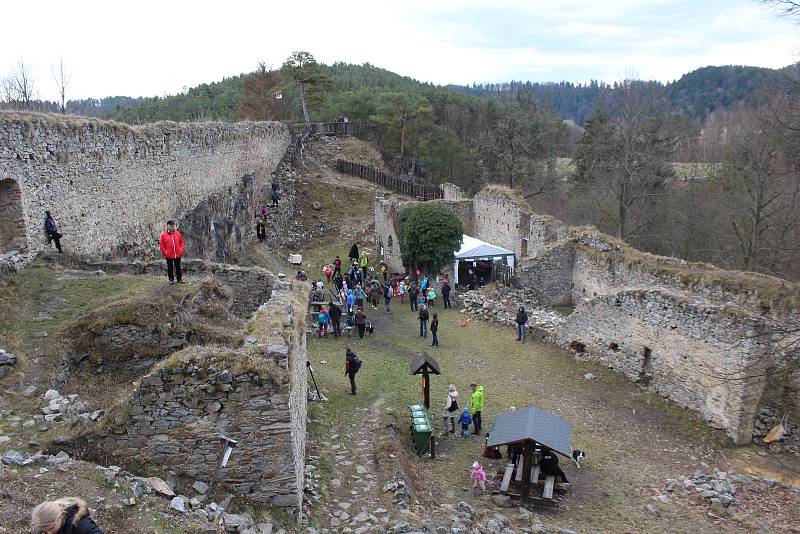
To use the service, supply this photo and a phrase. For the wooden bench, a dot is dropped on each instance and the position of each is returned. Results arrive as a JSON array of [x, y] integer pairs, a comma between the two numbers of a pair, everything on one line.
[[549, 482]]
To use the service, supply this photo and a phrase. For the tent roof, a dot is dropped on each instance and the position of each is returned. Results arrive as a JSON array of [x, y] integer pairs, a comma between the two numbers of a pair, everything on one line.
[[472, 247], [535, 424]]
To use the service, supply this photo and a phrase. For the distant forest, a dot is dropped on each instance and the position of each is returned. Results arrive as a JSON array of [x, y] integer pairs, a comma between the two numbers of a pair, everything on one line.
[[705, 168]]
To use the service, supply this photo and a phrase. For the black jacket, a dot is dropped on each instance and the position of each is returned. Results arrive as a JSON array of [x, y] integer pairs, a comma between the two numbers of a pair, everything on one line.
[[413, 292], [335, 312], [423, 314], [353, 251], [84, 526], [522, 317], [446, 290], [434, 325]]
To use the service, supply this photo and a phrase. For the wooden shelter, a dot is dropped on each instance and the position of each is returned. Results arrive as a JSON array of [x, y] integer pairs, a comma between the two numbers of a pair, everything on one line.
[[534, 433]]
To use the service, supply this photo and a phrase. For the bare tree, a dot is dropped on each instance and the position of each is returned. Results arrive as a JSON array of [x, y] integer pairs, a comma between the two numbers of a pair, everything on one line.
[[62, 80], [21, 85], [785, 8]]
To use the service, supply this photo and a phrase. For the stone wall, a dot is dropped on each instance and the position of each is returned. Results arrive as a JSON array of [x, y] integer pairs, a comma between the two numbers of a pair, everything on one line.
[[111, 187], [255, 394], [251, 286], [679, 348], [452, 192], [12, 229], [696, 320]]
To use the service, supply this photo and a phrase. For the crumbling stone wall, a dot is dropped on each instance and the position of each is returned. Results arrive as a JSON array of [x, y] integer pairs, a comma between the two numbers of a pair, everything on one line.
[[255, 394], [111, 187], [682, 348]]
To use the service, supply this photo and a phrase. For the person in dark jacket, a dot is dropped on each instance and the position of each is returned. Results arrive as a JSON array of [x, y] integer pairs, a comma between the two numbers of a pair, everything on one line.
[[387, 297], [351, 366], [276, 196], [361, 322], [521, 319], [423, 321], [261, 229], [446, 293], [335, 313], [434, 329], [413, 292], [68, 515], [550, 465], [51, 230], [354, 253]]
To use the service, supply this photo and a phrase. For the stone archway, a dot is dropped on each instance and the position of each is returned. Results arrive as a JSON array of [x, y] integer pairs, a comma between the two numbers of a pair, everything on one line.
[[12, 219]]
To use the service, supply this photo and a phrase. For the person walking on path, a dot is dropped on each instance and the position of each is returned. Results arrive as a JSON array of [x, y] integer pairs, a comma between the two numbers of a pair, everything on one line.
[[413, 291], [354, 255], [521, 319], [351, 366], [265, 213], [51, 231], [446, 293], [431, 296], [375, 293], [323, 319], [361, 322], [363, 261], [450, 409], [67, 515], [172, 245], [401, 290], [337, 266], [423, 321], [387, 297], [434, 329], [261, 229], [335, 313], [359, 296], [476, 405]]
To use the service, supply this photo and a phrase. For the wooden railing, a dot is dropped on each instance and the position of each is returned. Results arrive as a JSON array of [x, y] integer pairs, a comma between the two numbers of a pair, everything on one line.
[[322, 128], [398, 185]]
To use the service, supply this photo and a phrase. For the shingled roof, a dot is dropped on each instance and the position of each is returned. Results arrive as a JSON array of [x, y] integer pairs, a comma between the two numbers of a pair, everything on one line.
[[534, 424]]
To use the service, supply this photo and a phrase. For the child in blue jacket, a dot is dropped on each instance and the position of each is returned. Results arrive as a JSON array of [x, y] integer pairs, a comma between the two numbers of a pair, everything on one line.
[[465, 420]]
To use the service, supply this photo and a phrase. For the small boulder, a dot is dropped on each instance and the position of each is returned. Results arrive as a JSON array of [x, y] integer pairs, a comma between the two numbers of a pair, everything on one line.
[[178, 504], [200, 487], [503, 501]]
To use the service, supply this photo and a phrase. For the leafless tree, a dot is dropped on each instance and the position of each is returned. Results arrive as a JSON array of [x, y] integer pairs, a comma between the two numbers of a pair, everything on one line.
[[785, 8], [20, 85], [62, 79]]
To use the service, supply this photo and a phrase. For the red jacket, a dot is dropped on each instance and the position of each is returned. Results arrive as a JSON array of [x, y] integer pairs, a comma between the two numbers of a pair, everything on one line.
[[171, 245]]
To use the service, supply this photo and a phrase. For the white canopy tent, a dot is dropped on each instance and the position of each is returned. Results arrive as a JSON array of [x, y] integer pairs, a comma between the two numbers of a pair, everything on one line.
[[473, 249]]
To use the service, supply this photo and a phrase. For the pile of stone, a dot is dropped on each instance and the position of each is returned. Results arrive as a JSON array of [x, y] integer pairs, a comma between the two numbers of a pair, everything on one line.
[[397, 487], [64, 408], [766, 419], [7, 363], [501, 305], [718, 488]]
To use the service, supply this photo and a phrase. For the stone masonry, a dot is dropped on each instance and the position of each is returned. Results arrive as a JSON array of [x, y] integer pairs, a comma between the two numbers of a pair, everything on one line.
[[692, 332], [255, 394], [111, 187]]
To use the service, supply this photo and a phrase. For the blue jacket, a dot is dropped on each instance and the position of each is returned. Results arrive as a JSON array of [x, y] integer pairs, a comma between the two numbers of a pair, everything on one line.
[[466, 418]]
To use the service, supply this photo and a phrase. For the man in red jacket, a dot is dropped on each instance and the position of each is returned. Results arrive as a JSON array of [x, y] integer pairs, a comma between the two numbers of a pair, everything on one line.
[[171, 244]]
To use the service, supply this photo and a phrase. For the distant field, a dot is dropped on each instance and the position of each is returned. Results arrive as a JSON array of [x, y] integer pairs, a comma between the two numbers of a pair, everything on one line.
[[683, 171]]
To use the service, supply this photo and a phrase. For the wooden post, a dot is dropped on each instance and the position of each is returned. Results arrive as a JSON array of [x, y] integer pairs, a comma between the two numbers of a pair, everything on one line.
[[527, 465], [426, 387]]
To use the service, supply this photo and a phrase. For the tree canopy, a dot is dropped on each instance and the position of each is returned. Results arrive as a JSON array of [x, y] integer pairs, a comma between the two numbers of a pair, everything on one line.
[[430, 235]]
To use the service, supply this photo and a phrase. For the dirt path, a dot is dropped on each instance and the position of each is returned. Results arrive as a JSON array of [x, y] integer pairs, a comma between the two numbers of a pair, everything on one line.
[[355, 499]]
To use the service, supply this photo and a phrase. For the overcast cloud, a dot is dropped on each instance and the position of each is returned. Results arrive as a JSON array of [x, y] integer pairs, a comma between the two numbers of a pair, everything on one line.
[[147, 48]]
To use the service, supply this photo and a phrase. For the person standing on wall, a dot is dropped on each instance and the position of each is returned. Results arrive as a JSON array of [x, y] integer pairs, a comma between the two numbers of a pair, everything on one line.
[[351, 366], [172, 244], [51, 230], [521, 319], [446, 293], [276, 192], [476, 405]]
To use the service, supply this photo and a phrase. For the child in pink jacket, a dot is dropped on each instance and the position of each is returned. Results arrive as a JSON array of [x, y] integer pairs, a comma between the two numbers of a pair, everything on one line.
[[478, 476]]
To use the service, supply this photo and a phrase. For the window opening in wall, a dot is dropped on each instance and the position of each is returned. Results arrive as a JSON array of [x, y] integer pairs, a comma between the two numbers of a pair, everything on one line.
[[645, 375], [524, 247], [577, 346], [12, 220]]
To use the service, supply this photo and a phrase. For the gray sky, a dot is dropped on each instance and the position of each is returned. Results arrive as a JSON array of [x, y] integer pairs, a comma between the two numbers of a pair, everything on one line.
[[147, 48]]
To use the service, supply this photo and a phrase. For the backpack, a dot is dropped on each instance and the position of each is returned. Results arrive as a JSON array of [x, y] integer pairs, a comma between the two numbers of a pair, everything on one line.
[[355, 364]]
